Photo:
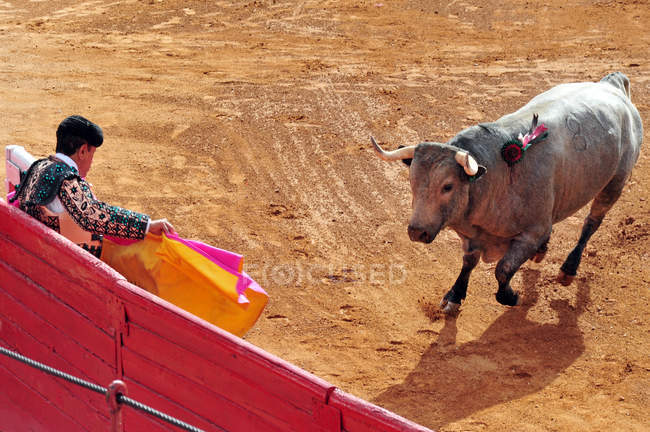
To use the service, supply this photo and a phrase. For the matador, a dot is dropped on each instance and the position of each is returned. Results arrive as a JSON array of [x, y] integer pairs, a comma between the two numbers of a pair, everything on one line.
[[54, 191]]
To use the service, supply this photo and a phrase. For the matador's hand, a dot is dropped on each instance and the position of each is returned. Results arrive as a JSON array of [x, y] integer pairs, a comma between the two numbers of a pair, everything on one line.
[[159, 226]]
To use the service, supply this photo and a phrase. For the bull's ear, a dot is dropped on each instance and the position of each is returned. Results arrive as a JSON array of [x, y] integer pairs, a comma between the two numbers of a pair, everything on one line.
[[481, 170], [406, 162]]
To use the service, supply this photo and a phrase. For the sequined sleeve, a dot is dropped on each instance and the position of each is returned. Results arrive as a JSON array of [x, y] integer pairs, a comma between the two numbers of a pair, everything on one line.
[[98, 217]]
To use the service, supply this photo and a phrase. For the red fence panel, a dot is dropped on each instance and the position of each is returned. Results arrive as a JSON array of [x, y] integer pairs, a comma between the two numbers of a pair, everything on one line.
[[61, 306]]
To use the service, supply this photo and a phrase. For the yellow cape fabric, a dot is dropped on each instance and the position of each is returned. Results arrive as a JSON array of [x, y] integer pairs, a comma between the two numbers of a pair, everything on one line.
[[184, 277]]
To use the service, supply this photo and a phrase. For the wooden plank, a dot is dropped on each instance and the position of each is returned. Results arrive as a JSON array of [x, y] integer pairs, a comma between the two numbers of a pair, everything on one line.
[[283, 379], [358, 415], [65, 322], [88, 401], [168, 406], [69, 399], [17, 339], [202, 402], [13, 414], [136, 421], [81, 296], [42, 411], [243, 390]]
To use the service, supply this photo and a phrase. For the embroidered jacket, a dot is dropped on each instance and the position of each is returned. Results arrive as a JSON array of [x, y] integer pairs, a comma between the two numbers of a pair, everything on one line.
[[77, 214]]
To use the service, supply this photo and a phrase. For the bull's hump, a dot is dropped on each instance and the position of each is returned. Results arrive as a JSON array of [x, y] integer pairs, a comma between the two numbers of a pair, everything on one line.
[[566, 97]]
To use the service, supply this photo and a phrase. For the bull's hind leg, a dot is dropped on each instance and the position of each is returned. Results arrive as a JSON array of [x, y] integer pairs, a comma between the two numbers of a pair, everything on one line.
[[601, 205], [451, 301]]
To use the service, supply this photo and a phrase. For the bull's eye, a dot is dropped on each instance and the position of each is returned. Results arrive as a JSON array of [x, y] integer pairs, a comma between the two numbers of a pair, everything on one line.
[[447, 188]]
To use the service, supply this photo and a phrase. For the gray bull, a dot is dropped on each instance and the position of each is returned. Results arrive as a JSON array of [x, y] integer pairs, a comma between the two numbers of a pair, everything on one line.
[[505, 211]]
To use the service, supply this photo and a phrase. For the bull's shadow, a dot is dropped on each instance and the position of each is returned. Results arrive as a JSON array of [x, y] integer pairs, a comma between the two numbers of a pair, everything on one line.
[[514, 357]]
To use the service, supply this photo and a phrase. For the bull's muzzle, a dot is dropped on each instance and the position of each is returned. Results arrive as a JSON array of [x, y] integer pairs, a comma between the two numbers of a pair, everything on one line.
[[420, 234]]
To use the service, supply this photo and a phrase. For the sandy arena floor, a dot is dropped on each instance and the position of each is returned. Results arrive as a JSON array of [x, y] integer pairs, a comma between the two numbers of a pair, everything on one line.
[[247, 124]]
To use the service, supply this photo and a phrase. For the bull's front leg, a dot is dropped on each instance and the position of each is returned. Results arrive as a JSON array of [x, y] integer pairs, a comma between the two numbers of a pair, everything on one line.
[[451, 301], [522, 248]]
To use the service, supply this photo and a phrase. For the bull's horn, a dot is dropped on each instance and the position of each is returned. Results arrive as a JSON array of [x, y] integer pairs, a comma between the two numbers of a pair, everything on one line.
[[468, 163], [399, 154]]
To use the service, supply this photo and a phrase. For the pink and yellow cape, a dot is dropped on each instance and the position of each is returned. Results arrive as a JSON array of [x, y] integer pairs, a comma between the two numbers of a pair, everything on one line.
[[202, 279]]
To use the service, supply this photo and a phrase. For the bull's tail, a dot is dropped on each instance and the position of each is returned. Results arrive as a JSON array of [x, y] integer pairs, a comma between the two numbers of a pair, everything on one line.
[[620, 81]]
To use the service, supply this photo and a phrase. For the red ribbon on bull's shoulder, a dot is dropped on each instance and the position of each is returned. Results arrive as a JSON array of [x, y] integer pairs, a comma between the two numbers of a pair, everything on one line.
[[513, 150]]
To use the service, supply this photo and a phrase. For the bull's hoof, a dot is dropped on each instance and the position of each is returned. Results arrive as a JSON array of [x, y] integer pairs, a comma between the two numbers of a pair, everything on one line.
[[539, 257], [564, 278], [506, 298], [449, 307]]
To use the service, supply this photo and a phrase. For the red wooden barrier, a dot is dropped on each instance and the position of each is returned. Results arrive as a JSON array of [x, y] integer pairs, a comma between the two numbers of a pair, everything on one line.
[[62, 307]]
